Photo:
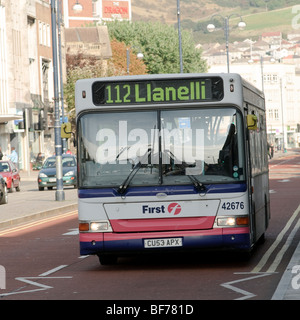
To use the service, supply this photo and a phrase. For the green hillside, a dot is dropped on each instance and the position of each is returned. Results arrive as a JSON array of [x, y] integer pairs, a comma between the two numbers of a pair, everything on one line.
[[259, 15], [276, 20]]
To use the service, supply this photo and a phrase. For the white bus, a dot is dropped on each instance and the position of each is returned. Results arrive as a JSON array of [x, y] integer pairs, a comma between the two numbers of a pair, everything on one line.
[[171, 163]]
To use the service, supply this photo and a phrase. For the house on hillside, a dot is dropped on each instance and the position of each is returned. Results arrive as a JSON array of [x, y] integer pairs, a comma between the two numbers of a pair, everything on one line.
[[262, 45], [292, 59], [294, 36], [272, 38]]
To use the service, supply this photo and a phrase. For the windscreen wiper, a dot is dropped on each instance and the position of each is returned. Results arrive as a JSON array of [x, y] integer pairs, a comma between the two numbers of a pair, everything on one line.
[[200, 187], [123, 187], [121, 151]]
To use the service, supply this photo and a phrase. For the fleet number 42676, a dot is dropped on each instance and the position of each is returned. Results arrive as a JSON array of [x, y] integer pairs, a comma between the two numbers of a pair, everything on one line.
[[233, 205]]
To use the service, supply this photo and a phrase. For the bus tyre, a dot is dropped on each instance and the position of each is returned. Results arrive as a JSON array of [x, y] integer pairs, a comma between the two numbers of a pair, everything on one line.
[[262, 239], [245, 255], [107, 259]]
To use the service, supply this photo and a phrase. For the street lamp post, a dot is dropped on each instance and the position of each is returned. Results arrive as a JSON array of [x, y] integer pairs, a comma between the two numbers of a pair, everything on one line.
[[179, 37], [59, 8], [59, 195], [282, 117], [262, 73], [211, 27], [140, 56]]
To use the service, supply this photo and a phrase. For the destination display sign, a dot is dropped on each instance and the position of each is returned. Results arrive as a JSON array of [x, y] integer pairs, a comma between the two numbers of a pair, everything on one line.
[[158, 91]]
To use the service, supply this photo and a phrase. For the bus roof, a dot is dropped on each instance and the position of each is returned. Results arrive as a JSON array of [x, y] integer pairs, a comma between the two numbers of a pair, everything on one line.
[[236, 91]]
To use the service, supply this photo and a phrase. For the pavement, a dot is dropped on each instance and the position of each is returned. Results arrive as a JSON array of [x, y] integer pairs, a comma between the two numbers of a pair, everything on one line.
[[28, 202]]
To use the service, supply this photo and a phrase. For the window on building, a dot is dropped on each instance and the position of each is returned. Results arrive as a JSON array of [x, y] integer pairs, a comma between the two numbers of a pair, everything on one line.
[[40, 32], [270, 114], [270, 78], [45, 79], [290, 95], [48, 36], [44, 34], [3, 64]]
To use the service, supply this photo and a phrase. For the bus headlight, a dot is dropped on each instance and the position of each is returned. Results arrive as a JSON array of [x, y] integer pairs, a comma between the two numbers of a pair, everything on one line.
[[232, 221], [229, 221], [99, 226]]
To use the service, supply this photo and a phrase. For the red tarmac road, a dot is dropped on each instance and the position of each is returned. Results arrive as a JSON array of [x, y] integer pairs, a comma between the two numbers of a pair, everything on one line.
[[42, 259]]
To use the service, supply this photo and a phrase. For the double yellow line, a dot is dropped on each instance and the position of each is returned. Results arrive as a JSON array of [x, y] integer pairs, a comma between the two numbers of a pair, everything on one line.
[[36, 223]]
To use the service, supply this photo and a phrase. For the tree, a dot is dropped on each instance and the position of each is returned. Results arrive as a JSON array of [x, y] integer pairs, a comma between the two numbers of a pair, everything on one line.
[[159, 44], [118, 62], [80, 66]]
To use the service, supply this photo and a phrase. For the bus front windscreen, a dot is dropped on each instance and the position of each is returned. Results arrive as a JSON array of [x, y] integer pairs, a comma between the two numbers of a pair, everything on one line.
[[160, 147]]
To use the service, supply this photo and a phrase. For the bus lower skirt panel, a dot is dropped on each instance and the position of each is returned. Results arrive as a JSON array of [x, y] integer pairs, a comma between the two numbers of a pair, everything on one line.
[[94, 243]]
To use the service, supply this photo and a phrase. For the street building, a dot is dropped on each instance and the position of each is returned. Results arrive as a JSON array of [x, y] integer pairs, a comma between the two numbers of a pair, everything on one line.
[[26, 65], [272, 64], [26, 78], [95, 11]]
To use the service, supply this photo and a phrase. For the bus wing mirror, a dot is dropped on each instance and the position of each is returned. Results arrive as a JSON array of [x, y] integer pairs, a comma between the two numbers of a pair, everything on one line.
[[66, 130], [252, 122]]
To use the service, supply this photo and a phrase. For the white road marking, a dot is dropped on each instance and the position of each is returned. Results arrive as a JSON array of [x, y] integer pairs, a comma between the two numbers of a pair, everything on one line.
[[287, 244], [246, 294], [25, 279], [40, 286], [72, 232], [272, 269], [280, 163], [280, 236], [52, 270], [284, 286]]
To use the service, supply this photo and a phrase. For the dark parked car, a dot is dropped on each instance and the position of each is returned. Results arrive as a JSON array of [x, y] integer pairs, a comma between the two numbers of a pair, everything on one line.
[[47, 175], [3, 191], [11, 175]]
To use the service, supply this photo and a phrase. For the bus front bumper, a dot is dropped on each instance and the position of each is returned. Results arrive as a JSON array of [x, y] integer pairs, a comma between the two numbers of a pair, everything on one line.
[[237, 238]]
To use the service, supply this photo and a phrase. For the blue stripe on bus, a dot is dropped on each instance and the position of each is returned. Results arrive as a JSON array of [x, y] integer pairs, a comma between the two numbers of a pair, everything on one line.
[[169, 190], [240, 242]]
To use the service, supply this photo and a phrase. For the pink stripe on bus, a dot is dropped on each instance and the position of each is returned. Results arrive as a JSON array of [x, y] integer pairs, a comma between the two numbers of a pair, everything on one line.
[[162, 224]]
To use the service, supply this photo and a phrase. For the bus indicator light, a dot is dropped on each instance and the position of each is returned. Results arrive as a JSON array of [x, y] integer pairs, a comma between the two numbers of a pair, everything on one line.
[[84, 227], [242, 221]]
